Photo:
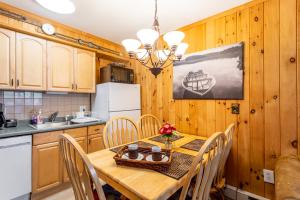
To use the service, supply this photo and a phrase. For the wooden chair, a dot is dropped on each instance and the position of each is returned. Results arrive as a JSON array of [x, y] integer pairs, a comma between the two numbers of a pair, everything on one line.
[[85, 182], [120, 130], [148, 125], [205, 172], [219, 181]]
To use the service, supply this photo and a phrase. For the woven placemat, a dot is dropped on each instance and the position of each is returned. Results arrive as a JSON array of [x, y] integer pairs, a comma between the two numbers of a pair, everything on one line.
[[140, 143], [180, 165], [194, 145], [161, 139]]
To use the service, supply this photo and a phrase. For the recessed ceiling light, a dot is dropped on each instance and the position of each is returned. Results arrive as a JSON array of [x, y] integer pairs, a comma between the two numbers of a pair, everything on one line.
[[58, 6]]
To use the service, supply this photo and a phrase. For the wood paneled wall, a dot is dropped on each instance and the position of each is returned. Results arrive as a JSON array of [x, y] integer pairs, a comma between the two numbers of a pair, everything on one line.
[[267, 122]]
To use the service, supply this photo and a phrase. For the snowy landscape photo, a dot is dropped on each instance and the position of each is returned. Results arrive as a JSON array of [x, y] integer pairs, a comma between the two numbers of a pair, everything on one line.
[[211, 74]]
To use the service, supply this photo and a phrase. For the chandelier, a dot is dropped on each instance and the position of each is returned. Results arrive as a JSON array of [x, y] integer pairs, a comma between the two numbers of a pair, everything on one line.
[[150, 51]]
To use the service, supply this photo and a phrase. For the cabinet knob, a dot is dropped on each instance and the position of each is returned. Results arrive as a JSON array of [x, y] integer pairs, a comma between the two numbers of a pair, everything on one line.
[[12, 82], [18, 83]]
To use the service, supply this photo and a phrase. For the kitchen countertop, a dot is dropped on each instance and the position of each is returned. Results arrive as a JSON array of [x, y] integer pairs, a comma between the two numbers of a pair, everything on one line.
[[24, 129]]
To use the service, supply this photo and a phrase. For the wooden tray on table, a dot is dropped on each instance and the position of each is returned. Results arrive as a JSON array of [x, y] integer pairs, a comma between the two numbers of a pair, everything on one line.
[[122, 159]]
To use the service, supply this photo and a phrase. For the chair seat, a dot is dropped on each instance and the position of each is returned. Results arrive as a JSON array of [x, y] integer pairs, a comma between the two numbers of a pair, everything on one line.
[[109, 192], [287, 182]]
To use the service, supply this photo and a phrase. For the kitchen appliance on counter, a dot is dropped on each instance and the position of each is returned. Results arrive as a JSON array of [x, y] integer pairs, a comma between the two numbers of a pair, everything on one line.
[[2, 117], [15, 168], [8, 123], [116, 72], [116, 99]]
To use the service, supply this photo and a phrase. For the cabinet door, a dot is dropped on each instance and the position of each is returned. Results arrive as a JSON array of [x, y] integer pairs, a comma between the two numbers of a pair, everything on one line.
[[7, 59], [95, 143], [60, 67], [85, 73], [30, 62], [46, 166], [83, 143]]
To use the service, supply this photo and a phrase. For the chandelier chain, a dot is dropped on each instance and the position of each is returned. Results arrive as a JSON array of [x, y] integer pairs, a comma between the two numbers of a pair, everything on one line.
[[154, 55], [155, 15]]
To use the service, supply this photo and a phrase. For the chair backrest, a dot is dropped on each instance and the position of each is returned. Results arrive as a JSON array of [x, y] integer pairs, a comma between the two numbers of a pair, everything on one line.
[[228, 145], [120, 130], [148, 125], [205, 166], [81, 172]]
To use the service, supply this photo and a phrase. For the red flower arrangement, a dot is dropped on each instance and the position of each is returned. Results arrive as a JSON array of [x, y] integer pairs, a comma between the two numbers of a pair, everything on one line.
[[167, 130]]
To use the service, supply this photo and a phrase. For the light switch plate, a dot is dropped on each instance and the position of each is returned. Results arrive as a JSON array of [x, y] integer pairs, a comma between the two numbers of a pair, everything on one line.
[[235, 108], [268, 176]]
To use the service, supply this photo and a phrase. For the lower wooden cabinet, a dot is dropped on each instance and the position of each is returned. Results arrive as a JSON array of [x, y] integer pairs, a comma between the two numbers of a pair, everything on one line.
[[48, 168], [95, 138], [82, 142], [95, 143]]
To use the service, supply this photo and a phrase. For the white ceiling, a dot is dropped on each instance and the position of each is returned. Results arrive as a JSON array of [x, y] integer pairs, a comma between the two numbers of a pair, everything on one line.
[[116, 20]]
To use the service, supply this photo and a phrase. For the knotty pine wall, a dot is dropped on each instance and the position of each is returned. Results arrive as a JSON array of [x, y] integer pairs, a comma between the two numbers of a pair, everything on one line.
[[267, 122]]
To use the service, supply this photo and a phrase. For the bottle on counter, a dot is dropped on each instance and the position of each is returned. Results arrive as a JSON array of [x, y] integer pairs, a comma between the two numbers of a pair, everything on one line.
[[40, 117], [34, 119]]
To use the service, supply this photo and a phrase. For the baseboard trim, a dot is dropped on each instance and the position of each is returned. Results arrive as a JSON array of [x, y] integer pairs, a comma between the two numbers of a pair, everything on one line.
[[238, 194]]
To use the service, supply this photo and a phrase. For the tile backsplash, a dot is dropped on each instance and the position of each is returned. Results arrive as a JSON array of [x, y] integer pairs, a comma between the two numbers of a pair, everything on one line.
[[21, 105]]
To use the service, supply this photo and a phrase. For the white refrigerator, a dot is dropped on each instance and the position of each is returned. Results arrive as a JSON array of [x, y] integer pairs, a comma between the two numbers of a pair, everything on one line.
[[116, 99]]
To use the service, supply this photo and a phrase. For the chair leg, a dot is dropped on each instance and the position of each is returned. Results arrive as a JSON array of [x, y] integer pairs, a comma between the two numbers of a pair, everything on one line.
[[123, 197], [218, 194], [222, 194]]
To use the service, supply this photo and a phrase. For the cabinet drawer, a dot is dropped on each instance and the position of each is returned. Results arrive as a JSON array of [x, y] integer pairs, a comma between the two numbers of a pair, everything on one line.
[[48, 137], [95, 143], [77, 132], [98, 129]]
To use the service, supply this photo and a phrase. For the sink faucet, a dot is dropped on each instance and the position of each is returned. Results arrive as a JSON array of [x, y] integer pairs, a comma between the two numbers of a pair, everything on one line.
[[53, 116]]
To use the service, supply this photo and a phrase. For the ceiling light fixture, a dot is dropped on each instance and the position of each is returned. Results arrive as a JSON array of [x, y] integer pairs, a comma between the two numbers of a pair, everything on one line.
[[58, 6], [153, 54]]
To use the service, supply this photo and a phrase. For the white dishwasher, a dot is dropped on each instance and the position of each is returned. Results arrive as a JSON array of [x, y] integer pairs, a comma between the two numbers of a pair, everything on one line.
[[15, 167]]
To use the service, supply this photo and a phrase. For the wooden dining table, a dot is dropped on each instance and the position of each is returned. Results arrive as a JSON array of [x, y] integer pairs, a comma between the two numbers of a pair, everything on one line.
[[138, 183]]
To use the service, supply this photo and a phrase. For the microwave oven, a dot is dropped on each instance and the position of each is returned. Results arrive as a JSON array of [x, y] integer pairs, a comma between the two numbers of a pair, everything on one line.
[[116, 73]]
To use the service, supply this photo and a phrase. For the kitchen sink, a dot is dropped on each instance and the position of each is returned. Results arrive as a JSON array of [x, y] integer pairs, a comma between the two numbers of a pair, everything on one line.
[[48, 125]]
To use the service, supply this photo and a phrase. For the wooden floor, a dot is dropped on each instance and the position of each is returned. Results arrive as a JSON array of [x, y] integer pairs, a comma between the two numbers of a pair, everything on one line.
[[66, 194]]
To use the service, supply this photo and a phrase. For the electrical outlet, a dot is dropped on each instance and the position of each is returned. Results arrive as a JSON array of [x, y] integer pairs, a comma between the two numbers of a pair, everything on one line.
[[268, 176]]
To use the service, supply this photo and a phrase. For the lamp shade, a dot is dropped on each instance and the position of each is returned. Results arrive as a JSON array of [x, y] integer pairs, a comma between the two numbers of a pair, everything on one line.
[[181, 48], [142, 54], [131, 45], [162, 55], [58, 6], [147, 36], [173, 38]]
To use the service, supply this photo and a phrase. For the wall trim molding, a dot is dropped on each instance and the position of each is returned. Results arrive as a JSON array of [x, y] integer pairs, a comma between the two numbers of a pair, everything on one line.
[[238, 194]]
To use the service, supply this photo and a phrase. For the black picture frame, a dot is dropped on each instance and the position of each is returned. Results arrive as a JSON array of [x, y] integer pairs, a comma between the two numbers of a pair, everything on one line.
[[216, 74]]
